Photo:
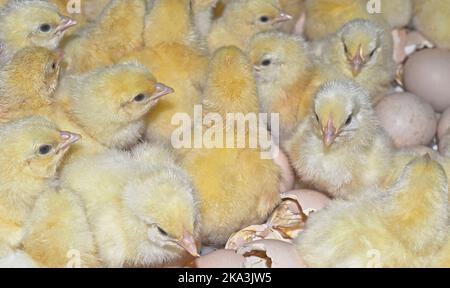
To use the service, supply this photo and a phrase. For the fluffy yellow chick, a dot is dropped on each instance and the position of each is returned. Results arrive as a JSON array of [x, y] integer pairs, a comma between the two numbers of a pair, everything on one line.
[[142, 209], [115, 33], [26, 23], [397, 227], [236, 187], [442, 258], [57, 232], [324, 17], [361, 50], [286, 76], [244, 18], [32, 149], [177, 57], [398, 13], [341, 148], [28, 81], [107, 106], [432, 18]]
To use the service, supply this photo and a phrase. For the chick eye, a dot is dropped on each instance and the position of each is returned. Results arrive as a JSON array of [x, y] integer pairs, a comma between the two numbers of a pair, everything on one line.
[[139, 98], [45, 149], [162, 232], [372, 53], [266, 62], [345, 49], [45, 27], [264, 19], [317, 117], [349, 120], [54, 65]]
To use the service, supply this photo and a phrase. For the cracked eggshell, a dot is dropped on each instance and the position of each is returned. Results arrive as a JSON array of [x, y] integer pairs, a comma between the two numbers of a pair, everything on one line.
[[310, 200], [271, 254], [407, 119], [427, 74], [219, 259]]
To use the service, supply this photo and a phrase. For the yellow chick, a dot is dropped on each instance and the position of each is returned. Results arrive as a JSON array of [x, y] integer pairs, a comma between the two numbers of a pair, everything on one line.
[[236, 187], [432, 19], [362, 51], [398, 13], [286, 76], [397, 227], [341, 148], [107, 106], [31, 23], [442, 258], [177, 57], [28, 82], [143, 210], [32, 149], [115, 33], [57, 232], [324, 17], [244, 18]]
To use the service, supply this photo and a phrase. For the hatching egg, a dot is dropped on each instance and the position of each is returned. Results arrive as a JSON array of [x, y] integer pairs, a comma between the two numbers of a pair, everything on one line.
[[407, 119], [444, 124], [427, 74], [310, 200]]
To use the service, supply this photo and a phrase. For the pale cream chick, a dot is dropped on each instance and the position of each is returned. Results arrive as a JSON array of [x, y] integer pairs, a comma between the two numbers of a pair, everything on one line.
[[286, 76], [341, 149], [362, 51], [398, 227], [244, 18], [432, 18], [236, 186], [141, 206], [107, 106], [26, 23], [32, 150]]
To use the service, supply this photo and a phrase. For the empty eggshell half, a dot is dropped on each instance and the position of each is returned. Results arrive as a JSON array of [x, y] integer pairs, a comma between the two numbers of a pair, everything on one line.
[[271, 254], [219, 259], [427, 74], [407, 119], [310, 200]]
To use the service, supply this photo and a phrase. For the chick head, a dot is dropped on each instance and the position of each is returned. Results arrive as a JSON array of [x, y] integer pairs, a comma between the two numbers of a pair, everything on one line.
[[34, 147], [256, 15], [343, 115], [360, 45], [230, 84], [164, 200], [275, 56], [33, 22], [118, 94], [36, 68]]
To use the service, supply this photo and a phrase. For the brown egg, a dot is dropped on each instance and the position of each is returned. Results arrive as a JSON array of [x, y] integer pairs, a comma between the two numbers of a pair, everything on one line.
[[219, 259], [407, 119], [427, 75], [310, 200], [444, 124], [444, 145], [271, 254]]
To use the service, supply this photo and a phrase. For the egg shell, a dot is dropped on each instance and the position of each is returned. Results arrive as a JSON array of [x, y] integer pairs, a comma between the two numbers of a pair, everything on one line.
[[427, 75], [282, 254], [407, 119], [220, 259], [444, 124], [444, 145], [310, 199]]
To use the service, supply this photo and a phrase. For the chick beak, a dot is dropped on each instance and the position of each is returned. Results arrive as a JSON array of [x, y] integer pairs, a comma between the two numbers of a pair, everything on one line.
[[329, 133], [357, 62], [67, 139], [187, 242], [161, 90], [66, 23], [283, 17]]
